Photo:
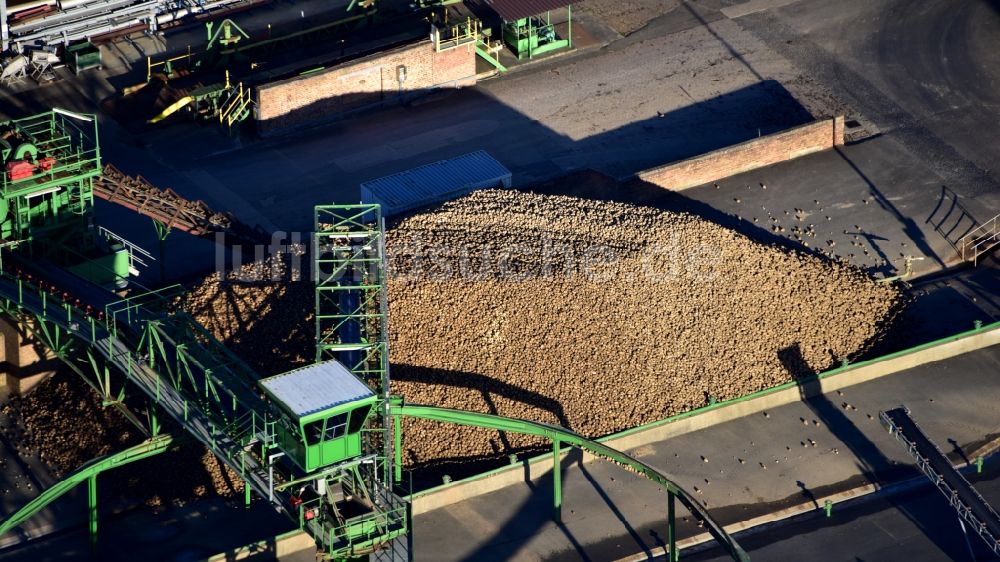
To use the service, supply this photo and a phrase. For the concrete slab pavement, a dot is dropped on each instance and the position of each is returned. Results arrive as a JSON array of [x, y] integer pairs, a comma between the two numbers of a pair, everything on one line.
[[924, 71], [756, 464], [915, 523]]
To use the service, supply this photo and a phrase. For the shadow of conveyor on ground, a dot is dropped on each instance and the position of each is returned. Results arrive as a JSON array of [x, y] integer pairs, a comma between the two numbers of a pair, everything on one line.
[[875, 467], [270, 299], [533, 514]]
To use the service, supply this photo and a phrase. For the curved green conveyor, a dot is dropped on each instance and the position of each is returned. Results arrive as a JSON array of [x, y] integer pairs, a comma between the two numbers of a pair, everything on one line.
[[89, 470], [560, 435]]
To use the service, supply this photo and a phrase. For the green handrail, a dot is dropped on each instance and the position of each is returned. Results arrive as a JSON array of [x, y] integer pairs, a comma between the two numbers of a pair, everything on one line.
[[557, 435], [89, 470]]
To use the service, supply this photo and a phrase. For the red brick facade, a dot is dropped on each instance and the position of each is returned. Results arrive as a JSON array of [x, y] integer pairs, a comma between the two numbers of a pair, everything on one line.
[[318, 97], [749, 155]]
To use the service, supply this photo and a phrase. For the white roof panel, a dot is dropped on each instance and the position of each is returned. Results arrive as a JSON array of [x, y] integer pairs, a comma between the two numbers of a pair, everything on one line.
[[315, 388]]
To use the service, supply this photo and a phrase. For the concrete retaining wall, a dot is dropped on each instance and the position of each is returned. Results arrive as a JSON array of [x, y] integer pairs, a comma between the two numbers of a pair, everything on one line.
[[295, 546], [24, 362], [750, 155], [369, 81], [678, 425]]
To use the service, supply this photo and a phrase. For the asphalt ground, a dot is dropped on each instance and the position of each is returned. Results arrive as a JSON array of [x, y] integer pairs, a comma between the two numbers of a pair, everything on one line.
[[912, 523]]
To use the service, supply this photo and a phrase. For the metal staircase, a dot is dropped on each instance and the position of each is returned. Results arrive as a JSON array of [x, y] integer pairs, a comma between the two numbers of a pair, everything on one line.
[[236, 108]]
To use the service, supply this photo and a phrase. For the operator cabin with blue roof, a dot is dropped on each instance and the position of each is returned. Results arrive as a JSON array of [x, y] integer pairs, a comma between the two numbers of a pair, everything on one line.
[[324, 407]]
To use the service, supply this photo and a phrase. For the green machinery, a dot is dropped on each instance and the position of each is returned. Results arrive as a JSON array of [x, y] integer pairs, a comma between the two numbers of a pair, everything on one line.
[[352, 332], [84, 56], [323, 408], [229, 47], [532, 34], [49, 167], [229, 102], [50, 163]]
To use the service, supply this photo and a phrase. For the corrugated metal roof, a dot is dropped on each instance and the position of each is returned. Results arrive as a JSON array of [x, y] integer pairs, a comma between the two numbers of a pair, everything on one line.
[[512, 10], [316, 388], [433, 183]]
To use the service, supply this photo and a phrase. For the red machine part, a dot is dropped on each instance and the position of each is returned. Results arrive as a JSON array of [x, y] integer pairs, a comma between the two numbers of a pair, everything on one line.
[[31, 13], [307, 514], [20, 169]]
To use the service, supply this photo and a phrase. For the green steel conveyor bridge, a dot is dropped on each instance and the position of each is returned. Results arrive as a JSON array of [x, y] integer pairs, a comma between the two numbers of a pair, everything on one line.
[[321, 444]]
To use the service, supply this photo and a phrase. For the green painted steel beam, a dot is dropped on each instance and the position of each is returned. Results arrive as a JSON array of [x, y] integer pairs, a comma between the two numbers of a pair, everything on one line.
[[561, 434], [92, 508], [20, 316], [672, 529], [556, 482], [486, 56], [85, 473]]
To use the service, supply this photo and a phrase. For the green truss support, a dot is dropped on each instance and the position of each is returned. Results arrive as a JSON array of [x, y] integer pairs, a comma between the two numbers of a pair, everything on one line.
[[87, 473], [56, 338], [351, 308], [92, 509], [560, 435], [349, 272], [180, 367]]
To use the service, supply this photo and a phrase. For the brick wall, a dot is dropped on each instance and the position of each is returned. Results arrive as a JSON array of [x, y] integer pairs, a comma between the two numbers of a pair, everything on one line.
[[749, 155], [365, 82]]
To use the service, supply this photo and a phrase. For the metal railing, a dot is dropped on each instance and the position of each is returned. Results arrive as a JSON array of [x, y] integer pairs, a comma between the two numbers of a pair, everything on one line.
[[447, 36], [980, 240], [361, 534], [137, 255], [167, 64], [234, 110]]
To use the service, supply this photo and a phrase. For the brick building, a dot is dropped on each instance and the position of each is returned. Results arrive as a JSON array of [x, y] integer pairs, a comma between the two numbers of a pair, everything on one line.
[[370, 81]]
